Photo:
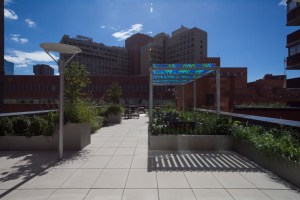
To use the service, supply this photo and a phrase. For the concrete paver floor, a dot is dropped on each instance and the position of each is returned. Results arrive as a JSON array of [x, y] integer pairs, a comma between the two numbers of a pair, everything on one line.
[[118, 166]]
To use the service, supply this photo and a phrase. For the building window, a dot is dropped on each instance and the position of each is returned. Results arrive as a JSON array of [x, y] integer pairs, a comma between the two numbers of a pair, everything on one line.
[[294, 50]]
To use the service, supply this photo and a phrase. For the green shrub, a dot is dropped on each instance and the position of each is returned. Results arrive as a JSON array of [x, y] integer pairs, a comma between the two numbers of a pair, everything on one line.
[[102, 121], [95, 124], [110, 108], [274, 142], [53, 119], [80, 110], [20, 125], [6, 126], [223, 125], [40, 126], [113, 93]]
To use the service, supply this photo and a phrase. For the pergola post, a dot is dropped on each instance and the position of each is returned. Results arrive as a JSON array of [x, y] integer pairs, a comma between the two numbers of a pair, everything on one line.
[[218, 90], [183, 98], [194, 94]]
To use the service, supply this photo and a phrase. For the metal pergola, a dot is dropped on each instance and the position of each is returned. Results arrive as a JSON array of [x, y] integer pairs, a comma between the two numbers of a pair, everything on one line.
[[181, 74]]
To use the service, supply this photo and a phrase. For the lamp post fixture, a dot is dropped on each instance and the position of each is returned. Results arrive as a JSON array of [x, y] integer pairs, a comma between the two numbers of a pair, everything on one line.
[[66, 49], [150, 86]]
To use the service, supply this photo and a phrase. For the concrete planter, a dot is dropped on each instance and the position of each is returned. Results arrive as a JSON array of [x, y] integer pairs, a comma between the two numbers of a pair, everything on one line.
[[190, 142], [114, 118], [287, 171], [76, 137], [12, 143]]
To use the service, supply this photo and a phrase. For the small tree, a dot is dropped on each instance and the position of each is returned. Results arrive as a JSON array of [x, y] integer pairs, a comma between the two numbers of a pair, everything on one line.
[[78, 107], [113, 93], [76, 79]]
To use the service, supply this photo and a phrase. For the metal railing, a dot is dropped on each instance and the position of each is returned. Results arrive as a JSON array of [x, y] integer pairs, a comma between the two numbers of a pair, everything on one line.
[[26, 113], [258, 119]]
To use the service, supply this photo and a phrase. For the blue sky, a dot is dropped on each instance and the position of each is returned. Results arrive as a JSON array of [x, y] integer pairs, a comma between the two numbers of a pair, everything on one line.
[[243, 33]]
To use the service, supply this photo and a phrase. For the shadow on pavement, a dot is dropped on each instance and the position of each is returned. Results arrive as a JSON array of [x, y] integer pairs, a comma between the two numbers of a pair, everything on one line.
[[29, 164]]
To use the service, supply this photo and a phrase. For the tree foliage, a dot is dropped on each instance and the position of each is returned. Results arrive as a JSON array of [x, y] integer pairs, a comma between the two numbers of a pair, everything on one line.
[[76, 80], [113, 93]]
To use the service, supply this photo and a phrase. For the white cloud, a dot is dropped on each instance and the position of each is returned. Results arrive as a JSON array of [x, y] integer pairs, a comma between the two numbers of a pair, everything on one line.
[[124, 34], [111, 27], [6, 2], [30, 23], [10, 14], [54, 66], [24, 59], [282, 3], [151, 8], [17, 38]]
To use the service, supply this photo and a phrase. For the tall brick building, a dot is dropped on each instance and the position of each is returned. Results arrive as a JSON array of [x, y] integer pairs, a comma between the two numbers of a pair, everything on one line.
[[293, 39], [99, 59], [184, 46], [1, 54], [133, 45]]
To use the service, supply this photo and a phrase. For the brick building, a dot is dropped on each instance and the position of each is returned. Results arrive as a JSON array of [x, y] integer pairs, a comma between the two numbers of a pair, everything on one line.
[[184, 46], [133, 45], [236, 91], [99, 59], [1, 55], [293, 39], [274, 88], [29, 93], [233, 80]]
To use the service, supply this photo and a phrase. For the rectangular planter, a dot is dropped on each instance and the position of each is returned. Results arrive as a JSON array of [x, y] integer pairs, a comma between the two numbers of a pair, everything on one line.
[[11, 143], [190, 142], [287, 171], [114, 118], [76, 137]]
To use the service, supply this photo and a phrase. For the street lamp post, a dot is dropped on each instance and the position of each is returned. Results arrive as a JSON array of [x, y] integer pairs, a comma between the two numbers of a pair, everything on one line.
[[66, 49]]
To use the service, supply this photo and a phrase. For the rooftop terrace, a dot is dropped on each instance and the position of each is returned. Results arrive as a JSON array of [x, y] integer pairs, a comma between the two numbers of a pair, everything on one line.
[[118, 165]]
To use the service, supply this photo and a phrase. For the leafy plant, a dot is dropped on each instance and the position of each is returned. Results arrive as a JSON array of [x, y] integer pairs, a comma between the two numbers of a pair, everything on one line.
[[78, 107], [111, 108], [113, 93], [77, 79], [6, 126], [273, 142], [97, 123], [20, 125], [39, 126], [53, 119], [80, 110]]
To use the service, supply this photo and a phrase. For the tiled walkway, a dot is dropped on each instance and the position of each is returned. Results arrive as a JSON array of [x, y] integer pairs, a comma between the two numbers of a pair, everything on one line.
[[117, 165]]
